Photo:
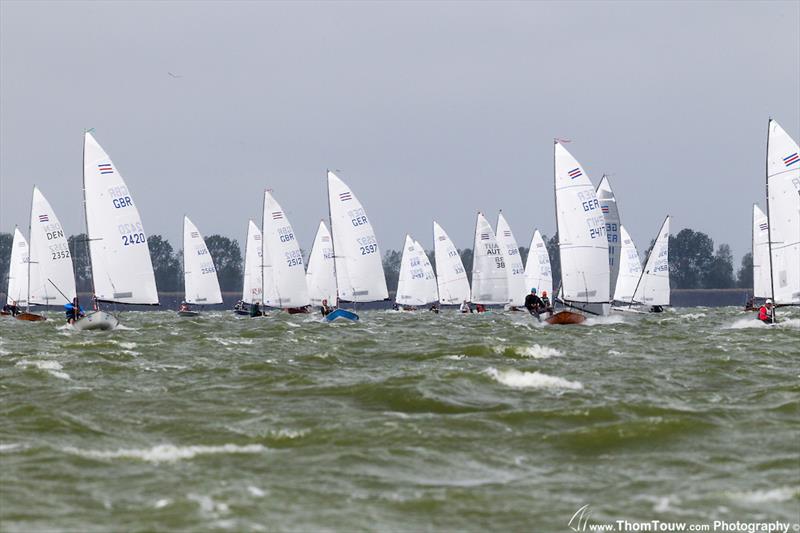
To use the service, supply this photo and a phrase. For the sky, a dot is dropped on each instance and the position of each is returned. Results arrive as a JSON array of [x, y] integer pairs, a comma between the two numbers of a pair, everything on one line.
[[428, 110]]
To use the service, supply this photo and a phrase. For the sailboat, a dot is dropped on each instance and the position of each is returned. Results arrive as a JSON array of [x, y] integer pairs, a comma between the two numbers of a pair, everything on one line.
[[515, 271], [762, 280], [653, 289], [416, 285], [51, 278], [783, 216], [582, 242], [17, 291], [201, 285], [320, 276], [357, 259], [630, 271], [489, 278], [608, 205], [122, 271], [451, 276], [252, 285], [284, 272], [538, 272]]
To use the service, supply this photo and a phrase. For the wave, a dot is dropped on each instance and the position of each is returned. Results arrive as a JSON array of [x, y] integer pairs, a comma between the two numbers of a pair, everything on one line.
[[753, 322], [531, 380], [534, 351], [166, 453], [780, 494], [52, 367]]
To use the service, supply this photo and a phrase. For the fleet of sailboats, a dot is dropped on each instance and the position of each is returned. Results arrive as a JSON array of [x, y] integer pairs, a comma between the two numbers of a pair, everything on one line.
[[599, 261]]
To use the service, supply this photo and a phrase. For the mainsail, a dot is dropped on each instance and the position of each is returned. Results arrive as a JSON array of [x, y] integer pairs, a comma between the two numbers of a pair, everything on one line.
[[251, 289], [52, 275], [17, 293], [783, 211], [122, 271], [358, 263], [761, 278], [451, 276], [282, 253], [489, 278], [201, 285], [538, 272], [320, 278], [608, 205], [416, 284], [431, 286], [653, 289], [630, 268], [583, 244], [514, 269]]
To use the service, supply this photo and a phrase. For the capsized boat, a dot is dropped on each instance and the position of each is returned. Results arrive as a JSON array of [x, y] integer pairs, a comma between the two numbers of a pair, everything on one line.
[[201, 285], [358, 266], [582, 243], [122, 271]]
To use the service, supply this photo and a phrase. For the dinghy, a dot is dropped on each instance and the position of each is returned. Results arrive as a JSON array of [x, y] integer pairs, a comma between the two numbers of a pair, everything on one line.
[[17, 291], [783, 216], [416, 285], [629, 274], [582, 243], [284, 271], [320, 276], [762, 278], [608, 205], [515, 272], [358, 266], [122, 271], [489, 278], [451, 276], [653, 289], [252, 284], [538, 272], [201, 285]]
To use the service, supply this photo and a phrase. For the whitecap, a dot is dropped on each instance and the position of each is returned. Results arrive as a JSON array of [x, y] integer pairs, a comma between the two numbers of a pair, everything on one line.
[[160, 504], [534, 380], [288, 433], [780, 494], [539, 352], [746, 323], [692, 316], [8, 447], [255, 491], [166, 453], [52, 367], [458, 357]]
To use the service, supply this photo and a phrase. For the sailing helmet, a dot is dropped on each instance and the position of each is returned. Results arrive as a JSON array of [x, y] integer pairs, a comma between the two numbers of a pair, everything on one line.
[[533, 289], [768, 301], [544, 293]]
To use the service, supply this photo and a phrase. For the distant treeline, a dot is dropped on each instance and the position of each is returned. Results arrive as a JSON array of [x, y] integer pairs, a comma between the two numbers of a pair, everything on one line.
[[693, 262]]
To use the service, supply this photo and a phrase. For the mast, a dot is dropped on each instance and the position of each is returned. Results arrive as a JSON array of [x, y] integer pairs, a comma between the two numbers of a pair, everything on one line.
[[769, 225], [474, 254], [96, 304], [555, 199], [30, 239], [333, 245], [263, 240]]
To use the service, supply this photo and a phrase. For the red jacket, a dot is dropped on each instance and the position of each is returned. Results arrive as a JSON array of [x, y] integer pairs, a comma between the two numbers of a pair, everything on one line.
[[764, 314]]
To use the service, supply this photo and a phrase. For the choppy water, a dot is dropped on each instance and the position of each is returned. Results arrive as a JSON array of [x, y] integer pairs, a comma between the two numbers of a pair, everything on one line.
[[401, 422]]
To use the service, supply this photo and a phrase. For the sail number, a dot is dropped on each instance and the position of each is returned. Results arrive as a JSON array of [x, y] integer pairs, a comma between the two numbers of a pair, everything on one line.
[[367, 245], [133, 238], [285, 234], [294, 258], [358, 217], [59, 251], [120, 197]]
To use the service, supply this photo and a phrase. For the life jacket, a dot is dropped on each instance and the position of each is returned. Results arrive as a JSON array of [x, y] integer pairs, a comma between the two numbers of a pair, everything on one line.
[[763, 313]]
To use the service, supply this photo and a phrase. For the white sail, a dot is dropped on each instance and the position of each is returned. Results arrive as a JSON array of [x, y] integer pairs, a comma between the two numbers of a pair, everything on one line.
[[451, 276], [489, 278], [538, 272], [761, 281], [416, 278], [783, 210], [51, 262], [320, 277], [582, 240], [514, 269], [201, 285], [608, 205], [630, 268], [431, 287], [17, 293], [121, 267], [251, 289], [285, 258], [359, 267], [653, 288]]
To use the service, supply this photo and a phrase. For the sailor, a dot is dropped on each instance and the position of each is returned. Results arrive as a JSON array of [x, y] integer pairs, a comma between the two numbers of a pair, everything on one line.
[[465, 307], [546, 302], [534, 304], [480, 308], [656, 309], [11, 309], [765, 313], [325, 309], [435, 308], [73, 311], [255, 309], [184, 306]]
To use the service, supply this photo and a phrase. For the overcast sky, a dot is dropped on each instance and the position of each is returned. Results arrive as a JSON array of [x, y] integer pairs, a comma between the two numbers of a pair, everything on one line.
[[429, 110]]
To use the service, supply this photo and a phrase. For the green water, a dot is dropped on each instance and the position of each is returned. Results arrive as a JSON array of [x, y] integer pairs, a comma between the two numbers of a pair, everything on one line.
[[400, 422]]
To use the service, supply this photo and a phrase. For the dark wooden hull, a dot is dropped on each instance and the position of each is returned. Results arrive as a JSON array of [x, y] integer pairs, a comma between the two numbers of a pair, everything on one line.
[[298, 310], [188, 313], [30, 317], [566, 317]]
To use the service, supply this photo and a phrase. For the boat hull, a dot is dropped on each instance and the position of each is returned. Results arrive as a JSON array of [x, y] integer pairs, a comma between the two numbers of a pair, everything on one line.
[[30, 317], [188, 313], [566, 317], [298, 310], [241, 312], [341, 314], [96, 320]]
